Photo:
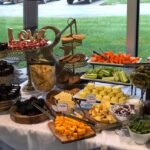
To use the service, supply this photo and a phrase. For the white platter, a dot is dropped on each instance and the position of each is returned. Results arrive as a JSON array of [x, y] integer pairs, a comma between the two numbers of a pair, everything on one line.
[[109, 82], [109, 64]]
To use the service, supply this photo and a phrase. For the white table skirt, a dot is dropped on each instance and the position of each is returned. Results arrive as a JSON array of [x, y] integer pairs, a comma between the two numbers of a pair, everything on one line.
[[36, 137], [39, 137]]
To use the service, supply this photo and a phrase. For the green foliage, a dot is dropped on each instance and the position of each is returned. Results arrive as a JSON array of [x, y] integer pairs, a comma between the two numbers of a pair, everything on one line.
[[107, 33]]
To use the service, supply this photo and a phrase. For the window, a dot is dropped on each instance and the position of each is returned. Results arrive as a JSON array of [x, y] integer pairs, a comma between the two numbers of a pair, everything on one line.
[[103, 23], [11, 16], [144, 30]]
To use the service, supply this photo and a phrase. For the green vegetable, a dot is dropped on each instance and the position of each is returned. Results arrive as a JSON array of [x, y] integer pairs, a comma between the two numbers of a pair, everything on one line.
[[108, 79], [116, 76], [140, 126], [106, 73], [110, 69], [91, 76], [123, 77], [100, 75], [97, 70]]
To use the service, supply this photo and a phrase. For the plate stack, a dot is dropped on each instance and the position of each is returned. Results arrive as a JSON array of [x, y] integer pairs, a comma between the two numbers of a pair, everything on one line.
[[8, 95], [5, 105]]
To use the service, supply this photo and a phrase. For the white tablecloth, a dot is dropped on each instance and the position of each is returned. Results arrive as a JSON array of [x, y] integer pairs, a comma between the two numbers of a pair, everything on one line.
[[39, 137]]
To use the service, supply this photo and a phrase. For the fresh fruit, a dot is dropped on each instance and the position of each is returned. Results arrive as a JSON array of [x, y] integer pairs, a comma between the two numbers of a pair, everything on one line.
[[101, 113], [122, 99], [99, 87], [111, 57], [106, 98], [114, 100], [107, 74], [21, 45], [108, 88], [104, 93], [90, 86]]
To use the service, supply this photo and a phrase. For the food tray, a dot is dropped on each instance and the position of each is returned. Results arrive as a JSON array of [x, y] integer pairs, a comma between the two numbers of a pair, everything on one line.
[[124, 89], [73, 43], [76, 64], [109, 82], [63, 139], [109, 64], [29, 50], [76, 96], [101, 126]]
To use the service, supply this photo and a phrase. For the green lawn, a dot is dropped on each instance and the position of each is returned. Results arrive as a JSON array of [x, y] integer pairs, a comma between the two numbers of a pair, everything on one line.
[[111, 2], [107, 33]]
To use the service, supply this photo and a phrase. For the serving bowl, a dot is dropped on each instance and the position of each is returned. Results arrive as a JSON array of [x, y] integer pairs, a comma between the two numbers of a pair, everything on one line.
[[122, 112], [139, 138]]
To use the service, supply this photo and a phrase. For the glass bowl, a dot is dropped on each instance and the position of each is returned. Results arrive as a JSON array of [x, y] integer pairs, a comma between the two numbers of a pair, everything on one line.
[[122, 112], [43, 77]]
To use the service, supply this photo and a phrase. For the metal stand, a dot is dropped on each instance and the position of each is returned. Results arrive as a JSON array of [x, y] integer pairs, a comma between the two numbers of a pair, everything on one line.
[[147, 94], [70, 46], [28, 86]]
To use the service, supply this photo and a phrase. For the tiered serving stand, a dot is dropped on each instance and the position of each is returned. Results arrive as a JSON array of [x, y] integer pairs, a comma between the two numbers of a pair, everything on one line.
[[31, 55], [123, 66], [46, 52], [69, 47]]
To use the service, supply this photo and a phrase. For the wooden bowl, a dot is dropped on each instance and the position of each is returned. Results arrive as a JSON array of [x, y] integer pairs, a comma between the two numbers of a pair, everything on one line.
[[50, 97], [24, 119]]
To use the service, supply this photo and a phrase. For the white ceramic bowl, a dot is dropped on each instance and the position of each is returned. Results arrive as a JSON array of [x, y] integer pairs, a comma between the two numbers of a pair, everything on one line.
[[139, 138]]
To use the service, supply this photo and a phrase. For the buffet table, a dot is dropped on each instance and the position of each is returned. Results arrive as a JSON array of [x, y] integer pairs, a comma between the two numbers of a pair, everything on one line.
[[39, 137]]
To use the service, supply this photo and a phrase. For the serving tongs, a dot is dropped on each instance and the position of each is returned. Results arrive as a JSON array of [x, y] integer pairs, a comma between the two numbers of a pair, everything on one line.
[[79, 119], [85, 114], [43, 110], [100, 54], [50, 116]]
